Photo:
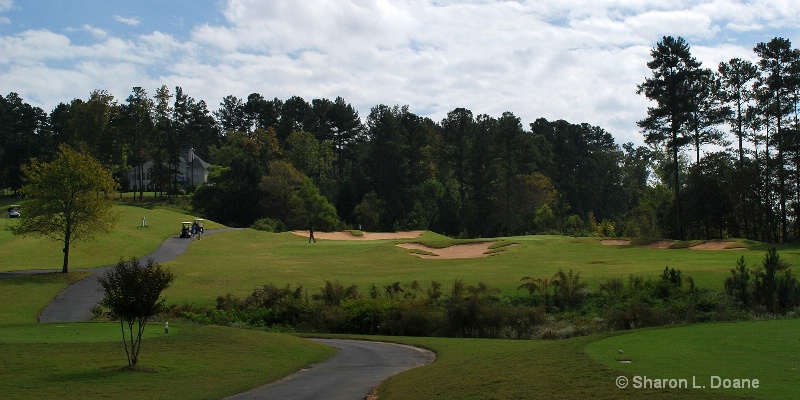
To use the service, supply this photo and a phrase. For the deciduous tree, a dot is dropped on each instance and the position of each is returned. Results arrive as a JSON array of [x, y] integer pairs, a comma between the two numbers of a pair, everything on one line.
[[133, 296], [69, 199]]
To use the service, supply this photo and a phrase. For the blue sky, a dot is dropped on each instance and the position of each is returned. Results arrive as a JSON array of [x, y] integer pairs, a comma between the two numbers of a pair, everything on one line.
[[576, 60]]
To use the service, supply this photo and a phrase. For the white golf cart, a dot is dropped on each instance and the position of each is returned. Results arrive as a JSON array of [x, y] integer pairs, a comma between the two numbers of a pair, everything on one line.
[[13, 211]]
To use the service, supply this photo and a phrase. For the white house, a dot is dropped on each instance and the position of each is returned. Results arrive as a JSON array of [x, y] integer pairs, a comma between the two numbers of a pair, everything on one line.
[[192, 171]]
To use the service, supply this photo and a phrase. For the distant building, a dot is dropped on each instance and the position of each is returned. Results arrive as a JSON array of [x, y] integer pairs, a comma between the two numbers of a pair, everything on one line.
[[192, 170]]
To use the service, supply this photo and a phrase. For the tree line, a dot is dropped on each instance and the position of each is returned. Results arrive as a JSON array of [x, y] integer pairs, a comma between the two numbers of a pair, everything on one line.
[[722, 157]]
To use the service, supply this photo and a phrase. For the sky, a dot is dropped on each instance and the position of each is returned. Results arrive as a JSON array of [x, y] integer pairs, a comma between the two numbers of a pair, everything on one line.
[[576, 60]]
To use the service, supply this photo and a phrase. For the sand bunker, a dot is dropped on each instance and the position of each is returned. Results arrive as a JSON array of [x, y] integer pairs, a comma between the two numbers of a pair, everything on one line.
[[712, 246], [469, 250], [615, 242], [366, 236]]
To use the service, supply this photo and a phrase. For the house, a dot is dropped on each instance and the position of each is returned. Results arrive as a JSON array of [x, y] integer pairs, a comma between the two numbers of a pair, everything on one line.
[[192, 171]]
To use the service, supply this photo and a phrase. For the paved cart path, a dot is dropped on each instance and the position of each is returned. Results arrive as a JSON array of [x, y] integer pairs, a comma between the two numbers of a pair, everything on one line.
[[351, 374]]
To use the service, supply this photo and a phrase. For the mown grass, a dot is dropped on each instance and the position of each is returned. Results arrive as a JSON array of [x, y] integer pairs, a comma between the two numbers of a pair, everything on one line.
[[84, 361], [513, 369], [237, 262], [129, 239], [210, 362], [24, 297], [763, 350]]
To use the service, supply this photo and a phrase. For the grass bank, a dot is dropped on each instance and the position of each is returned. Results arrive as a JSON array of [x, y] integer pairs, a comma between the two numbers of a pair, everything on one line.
[[83, 361]]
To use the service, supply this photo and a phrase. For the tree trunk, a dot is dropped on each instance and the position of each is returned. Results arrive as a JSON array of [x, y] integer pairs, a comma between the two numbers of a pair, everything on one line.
[[65, 265]]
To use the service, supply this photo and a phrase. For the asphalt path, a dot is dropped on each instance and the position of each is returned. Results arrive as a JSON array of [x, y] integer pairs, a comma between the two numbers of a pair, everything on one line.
[[353, 373]]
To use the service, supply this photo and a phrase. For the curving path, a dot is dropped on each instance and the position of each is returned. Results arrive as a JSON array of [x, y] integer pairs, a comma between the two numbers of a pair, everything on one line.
[[351, 374]]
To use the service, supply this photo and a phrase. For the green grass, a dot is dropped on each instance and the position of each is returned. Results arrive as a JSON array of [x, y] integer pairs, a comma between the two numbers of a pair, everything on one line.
[[83, 361], [763, 350], [237, 262], [51, 361], [513, 369], [24, 297], [127, 240]]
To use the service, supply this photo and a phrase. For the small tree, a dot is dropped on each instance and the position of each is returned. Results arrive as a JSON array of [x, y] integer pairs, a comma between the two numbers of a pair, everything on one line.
[[69, 199], [132, 292]]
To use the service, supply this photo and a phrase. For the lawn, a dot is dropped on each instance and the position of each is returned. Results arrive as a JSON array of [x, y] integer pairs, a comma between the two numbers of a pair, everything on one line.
[[763, 350], [129, 239], [24, 297], [237, 262], [83, 361], [482, 369]]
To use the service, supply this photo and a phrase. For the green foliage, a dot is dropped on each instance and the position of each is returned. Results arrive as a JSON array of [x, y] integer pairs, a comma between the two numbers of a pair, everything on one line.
[[132, 293], [269, 225], [68, 199], [771, 287]]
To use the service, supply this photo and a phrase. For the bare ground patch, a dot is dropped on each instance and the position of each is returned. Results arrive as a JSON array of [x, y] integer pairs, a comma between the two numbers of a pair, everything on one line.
[[713, 245], [615, 242], [468, 250], [365, 236]]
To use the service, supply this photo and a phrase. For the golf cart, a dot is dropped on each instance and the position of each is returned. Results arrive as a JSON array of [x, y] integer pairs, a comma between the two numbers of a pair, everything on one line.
[[13, 211], [186, 230]]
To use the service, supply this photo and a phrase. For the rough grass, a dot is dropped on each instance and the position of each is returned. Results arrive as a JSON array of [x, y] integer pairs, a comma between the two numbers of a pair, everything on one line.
[[86, 361]]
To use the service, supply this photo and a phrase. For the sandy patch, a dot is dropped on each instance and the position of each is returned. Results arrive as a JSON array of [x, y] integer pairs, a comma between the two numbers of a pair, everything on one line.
[[367, 235], [469, 250], [615, 242], [661, 244], [712, 246]]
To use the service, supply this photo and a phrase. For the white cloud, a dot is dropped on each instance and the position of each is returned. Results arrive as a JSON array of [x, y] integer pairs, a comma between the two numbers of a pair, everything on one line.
[[4, 21], [132, 21], [96, 32], [576, 60], [6, 5]]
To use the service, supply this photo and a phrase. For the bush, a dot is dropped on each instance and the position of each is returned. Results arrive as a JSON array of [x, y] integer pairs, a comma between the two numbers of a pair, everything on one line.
[[269, 225]]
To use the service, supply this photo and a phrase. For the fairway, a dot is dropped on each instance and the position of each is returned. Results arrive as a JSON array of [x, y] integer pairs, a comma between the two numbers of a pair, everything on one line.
[[238, 262], [763, 350]]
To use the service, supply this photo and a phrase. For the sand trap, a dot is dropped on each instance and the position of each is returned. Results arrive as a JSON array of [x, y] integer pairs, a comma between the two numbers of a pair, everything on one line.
[[615, 242], [469, 250], [712, 246], [367, 235]]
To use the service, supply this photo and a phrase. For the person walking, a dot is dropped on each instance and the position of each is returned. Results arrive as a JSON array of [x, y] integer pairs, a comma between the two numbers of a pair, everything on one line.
[[195, 230], [311, 234]]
